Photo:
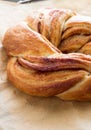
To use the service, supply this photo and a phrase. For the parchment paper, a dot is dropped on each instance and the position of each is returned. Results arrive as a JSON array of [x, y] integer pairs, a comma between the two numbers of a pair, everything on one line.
[[19, 111]]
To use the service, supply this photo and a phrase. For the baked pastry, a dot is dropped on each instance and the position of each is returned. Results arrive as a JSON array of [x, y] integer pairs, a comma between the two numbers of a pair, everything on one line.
[[49, 54]]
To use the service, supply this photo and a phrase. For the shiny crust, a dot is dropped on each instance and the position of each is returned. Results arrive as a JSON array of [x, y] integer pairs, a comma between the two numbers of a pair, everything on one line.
[[46, 56]]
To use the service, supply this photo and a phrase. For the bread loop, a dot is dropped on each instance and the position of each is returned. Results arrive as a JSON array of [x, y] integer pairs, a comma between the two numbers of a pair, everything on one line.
[[50, 54]]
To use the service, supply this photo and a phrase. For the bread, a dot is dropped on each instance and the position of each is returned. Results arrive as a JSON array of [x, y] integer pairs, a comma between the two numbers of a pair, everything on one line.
[[50, 54]]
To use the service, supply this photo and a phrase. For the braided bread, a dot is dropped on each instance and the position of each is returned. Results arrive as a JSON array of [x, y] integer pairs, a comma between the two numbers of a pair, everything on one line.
[[49, 54]]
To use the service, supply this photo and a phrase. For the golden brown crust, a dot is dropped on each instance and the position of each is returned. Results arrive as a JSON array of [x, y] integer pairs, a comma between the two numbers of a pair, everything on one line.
[[37, 65], [76, 35], [42, 84], [22, 40], [44, 23]]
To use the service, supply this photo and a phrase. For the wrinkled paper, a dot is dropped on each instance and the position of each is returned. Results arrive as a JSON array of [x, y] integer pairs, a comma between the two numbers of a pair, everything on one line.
[[19, 111]]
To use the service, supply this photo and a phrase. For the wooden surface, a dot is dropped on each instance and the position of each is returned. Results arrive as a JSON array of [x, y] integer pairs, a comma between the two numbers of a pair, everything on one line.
[[19, 111]]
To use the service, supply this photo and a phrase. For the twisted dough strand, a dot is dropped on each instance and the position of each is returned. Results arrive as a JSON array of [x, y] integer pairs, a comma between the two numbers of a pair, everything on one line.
[[44, 58]]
